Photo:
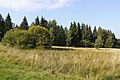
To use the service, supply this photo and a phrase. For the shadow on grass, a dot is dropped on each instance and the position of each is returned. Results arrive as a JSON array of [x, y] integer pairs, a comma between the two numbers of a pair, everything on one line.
[[60, 49]]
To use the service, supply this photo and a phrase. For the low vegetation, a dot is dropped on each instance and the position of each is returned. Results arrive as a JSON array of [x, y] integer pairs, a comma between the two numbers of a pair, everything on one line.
[[42, 36], [59, 63], [34, 36]]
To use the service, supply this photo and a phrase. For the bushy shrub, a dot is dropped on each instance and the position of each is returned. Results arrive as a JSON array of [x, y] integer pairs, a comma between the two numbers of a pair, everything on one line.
[[19, 38], [25, 40], [42, 36], [9, 37], [35, 36]]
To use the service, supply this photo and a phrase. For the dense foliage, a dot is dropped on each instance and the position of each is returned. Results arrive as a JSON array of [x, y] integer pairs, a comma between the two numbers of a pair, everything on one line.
[[78, 35], [5, 25], [35, 36], [41, 35], [24, 24], [118, 43], [19, 38]]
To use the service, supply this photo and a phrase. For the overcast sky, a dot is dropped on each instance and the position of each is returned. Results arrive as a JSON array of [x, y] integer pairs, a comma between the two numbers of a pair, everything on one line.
[[104, 13]]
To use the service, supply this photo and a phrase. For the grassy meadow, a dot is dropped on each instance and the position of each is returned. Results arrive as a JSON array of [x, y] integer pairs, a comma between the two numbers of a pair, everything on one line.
[[59, 63]]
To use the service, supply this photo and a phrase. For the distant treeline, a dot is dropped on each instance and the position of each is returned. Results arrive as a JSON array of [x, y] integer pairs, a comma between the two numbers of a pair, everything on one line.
[[78, 35]]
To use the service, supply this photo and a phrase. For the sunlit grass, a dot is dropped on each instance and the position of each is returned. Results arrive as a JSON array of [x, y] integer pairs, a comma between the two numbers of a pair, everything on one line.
[[59, 63]]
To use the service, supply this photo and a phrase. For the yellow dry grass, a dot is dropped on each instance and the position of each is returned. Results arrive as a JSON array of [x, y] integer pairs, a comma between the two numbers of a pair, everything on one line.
[[70, 62]]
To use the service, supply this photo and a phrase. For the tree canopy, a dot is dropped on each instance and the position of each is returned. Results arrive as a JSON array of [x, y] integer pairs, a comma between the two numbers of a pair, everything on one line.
[[50, 33], [24, 24]]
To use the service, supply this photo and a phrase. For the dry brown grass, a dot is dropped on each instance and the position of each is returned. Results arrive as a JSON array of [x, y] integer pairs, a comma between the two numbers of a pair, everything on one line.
[[76, 63]]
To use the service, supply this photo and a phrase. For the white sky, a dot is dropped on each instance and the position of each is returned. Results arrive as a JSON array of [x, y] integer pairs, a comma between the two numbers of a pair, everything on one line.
[[33, 4]]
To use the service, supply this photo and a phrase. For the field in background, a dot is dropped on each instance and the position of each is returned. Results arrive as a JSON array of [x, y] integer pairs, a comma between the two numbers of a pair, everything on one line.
[[59, 63]]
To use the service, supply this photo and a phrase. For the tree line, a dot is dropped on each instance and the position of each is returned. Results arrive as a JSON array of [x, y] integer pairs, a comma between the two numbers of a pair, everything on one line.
[[77, 35]]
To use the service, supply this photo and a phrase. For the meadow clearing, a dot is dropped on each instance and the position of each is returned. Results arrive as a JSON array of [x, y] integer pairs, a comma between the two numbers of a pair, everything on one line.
[[59, 63]]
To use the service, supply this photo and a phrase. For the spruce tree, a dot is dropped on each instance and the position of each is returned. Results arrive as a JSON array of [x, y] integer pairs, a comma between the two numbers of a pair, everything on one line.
[[104, 36], [84, 31], [66, 34], [90, 37], [86, 36], [24, 24], [68, 39], [66, 31], [61, 37], [8, 23], [44, 23], [73, 35], [37, 21], [70, 35], [100, 31], [117, 44], [76, 35], [99, 42], [54, 23], [1, 27], [114, 40], [50, 25], [54, 29], [95, 33], [79, 34], [110, 41]]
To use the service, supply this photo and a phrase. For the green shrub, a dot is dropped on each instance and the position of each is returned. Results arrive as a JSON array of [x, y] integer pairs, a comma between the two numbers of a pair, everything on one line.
[[42, 36], [19, 38], [9, 37], [25, 40], [35, 36]]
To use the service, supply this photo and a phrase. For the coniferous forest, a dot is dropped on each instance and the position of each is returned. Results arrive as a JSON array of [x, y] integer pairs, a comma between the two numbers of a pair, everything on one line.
[[75, 35]]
